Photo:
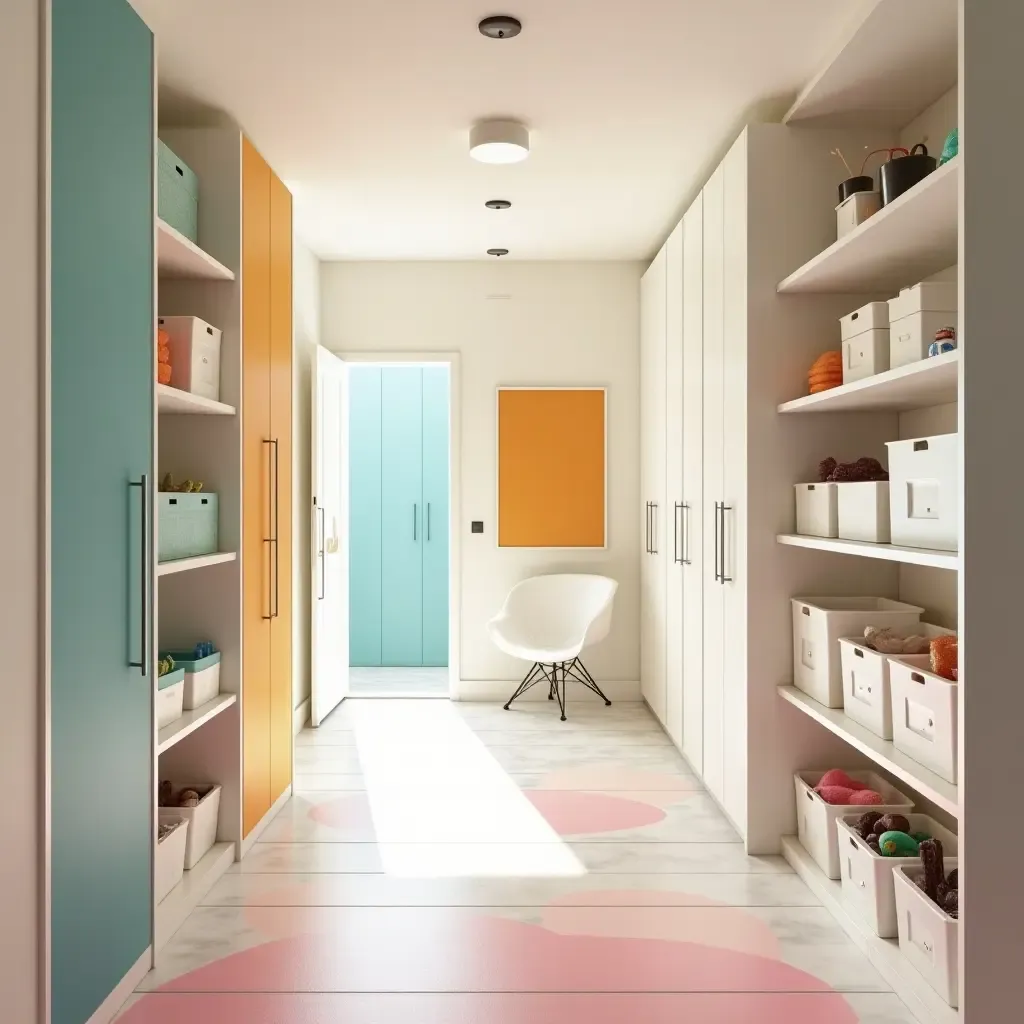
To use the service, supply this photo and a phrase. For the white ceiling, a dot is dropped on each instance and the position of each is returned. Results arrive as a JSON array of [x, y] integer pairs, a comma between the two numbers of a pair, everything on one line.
[[363, 107]]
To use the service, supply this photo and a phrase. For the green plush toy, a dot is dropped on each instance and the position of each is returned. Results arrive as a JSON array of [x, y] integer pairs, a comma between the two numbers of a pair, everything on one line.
[[951, 147], [897, 844]]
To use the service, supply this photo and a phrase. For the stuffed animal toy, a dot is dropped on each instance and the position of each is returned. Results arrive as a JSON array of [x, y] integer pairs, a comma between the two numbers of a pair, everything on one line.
[[885, 641]]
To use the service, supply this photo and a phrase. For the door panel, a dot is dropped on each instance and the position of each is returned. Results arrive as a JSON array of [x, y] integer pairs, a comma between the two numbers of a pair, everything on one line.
[[714, 377], [692, 520], [281, 696], [402, 516], [101, 391], [257, 464], [436, 487], [364, 418]]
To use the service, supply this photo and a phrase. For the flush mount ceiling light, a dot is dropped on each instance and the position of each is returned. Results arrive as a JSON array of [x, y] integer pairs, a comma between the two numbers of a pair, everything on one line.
[[501, 26], [497, 204], [497, 252], [499, 142]]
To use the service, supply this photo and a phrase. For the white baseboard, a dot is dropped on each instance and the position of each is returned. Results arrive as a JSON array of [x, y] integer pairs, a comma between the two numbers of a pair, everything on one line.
[[300, 716], [110, 1006], [499, 690], [250, 839]]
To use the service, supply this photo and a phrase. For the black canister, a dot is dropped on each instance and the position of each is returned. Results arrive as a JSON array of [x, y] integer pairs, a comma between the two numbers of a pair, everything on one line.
[[858, 183], [904, 172]]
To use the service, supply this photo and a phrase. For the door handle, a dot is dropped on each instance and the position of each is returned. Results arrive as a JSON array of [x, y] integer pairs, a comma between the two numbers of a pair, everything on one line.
[[718, 575], [654, 527], [428, 521], [686, 533], [142, 663], [323, 561], [277, 531], [415, 511], [269, 540], [676, 559], [724, 508]]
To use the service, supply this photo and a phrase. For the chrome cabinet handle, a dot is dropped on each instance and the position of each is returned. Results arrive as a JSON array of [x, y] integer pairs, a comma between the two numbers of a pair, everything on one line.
[[654, 527], [676, 560], [277, 531], [415, 512], [428, 521], [647, 528], [323, 560], [270, 539], [143, 485], [718, 575], [723, 509], [686, 533]]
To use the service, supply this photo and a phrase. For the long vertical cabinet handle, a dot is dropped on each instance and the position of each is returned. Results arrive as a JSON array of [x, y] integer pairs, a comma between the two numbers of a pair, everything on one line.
[[654, 527], [415, 515], [268, 442], [143, 485], [277, 531], [647, 528], [676, 557], [428, 522], [724, 508], [323, 544], [686, 532], [718, 575]]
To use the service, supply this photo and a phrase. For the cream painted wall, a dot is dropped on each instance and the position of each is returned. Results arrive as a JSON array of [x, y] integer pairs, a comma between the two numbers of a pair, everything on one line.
[[514, 324], [306, 337], [21, 355]]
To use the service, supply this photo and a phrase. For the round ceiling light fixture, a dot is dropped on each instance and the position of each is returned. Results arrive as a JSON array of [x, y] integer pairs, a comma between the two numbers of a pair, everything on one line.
[[501, 26], [499, 142], [497, 204], [497, 252]]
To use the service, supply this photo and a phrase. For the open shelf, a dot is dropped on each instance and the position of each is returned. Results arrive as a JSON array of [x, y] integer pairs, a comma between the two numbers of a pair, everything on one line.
[[174, 733], [941, 793], [912, 238], [187, 894], [178, 257], [174, 401], [884, 954], [919, 385], [894, 63], [884, 552], [185, 564]]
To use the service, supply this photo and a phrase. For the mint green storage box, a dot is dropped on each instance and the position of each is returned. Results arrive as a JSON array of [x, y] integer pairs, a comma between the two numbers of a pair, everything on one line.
[[176, 675], [177, 193], [186, 525]]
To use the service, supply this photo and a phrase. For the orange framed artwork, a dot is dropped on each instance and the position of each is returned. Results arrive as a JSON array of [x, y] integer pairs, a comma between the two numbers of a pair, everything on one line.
[[552, 467]]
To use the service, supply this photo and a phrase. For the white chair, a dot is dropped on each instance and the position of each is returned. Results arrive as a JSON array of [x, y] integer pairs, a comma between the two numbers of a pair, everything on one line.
[[549, 620]]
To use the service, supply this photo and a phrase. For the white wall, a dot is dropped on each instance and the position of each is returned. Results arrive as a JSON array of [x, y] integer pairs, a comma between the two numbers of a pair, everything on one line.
[[21, 351], [514, 324], [306, 337]]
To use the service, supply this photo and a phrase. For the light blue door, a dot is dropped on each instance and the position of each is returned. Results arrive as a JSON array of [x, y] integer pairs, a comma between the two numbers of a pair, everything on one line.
[[403, 516], [364, 515], [435, 498], [101, 305]]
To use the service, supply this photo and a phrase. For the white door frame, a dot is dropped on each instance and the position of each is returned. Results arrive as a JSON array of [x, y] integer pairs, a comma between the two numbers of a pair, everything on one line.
[[454, 483]]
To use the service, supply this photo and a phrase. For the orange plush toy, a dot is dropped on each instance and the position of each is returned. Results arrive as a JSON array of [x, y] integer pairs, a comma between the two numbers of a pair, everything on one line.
[[163, 356], [826, 373]]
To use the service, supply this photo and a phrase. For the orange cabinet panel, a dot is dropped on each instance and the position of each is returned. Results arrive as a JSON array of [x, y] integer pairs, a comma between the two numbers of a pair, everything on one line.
[[281, 702], [257, 464]]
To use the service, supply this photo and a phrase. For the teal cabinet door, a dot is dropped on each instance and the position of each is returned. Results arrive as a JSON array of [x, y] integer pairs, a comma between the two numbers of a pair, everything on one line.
[[403, 516], [102, 348], [364, 515], [436, 405]]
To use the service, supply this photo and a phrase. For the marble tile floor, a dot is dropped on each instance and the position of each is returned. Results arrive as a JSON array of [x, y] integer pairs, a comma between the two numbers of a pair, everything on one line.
[[398, 682], [449, 863]]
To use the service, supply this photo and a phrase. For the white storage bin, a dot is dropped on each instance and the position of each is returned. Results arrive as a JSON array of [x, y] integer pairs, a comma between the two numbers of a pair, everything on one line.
[[865, 355], [868, 886], [864, 511], [816, 820], [170, 859], [924, 714], [914, 317], [202, 677], [202, 821], [170, 696], [855, 210], [819, 622], [195, 355], [923, 492], [867, 697], [871, 317], [817, 511], [926, 297], [929, 937]]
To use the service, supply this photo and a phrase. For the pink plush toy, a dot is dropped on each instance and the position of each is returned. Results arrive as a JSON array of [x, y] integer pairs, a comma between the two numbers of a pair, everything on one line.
[[865, 797], [837, 777], [841, 795], [837, 788]]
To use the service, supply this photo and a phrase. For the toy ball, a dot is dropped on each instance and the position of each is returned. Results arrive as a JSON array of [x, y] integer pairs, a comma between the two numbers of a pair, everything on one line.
[[837, 777], [866, 823], [867, 797], [897, 844]]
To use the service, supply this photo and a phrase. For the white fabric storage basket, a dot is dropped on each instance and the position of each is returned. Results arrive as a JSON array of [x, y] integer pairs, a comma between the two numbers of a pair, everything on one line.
[[819, 622], [865, 355], [924, 714], [169, 859], [816, 820], [868, 886], [929, 937], [169, 703], [195, 355], [867, 697], [923, 492], [202, 821], [864, 511], [871, 317], [817, 510], [856, 209], [914, 317]]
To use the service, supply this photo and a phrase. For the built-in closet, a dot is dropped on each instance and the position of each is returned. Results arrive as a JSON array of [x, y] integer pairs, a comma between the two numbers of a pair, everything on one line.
[[398, 480]]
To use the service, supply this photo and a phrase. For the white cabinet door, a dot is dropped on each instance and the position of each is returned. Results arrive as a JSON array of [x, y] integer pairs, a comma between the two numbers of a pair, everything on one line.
[[672, 559], [692, 517], [652, 476], [735, 477], [714, 484]]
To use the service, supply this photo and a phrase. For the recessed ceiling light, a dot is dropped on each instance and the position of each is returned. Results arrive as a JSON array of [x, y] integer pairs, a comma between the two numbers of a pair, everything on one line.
[[501, 26], [497, 204], [499, 142], [497, 252]]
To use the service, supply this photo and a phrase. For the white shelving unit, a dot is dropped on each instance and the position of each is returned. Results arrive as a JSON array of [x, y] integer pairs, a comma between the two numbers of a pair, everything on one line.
[[908, 240], [187, 724], [188, 894], [197, 562], [885, 552], [173, 401], [178, 257]]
